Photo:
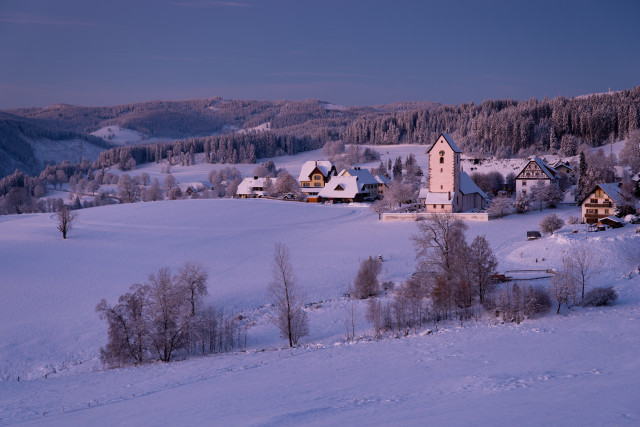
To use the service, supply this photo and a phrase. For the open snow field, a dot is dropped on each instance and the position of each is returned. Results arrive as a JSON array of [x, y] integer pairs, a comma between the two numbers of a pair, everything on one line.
[[577, 368]]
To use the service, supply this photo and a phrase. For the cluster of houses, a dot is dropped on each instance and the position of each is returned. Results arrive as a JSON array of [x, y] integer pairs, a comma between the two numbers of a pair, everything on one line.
[[320, 182], [449, 189]]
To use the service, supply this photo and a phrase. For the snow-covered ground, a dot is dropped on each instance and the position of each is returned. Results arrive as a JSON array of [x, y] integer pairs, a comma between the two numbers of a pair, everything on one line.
[[578, 368]]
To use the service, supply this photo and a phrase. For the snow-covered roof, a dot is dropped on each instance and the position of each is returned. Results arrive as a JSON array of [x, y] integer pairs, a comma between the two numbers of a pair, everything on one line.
[[434, 198], [563, 164], [363, 175], [383, 180], [467, 186], [248, 184], [612, 190], [324, 166], [548, 170], [449, 140], [342, 187]]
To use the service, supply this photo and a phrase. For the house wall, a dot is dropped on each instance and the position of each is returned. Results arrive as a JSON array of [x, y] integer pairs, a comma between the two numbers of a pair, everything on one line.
[[597, 205], [530, 183], [443, 177], [438, 208], [471, 201]]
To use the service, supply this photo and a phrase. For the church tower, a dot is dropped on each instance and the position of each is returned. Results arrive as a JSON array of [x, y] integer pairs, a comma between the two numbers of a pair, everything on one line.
[[444, 168]]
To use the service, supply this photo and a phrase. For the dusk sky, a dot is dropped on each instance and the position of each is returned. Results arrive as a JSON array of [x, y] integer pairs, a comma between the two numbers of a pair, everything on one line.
[[348, 52]]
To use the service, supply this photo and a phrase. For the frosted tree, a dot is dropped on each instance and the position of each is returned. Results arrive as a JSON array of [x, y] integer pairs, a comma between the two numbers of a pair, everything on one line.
[[551, 223], [286, 184], [581, 262], [366, 282], [287, 297], [563, 287], [379, 207], [167, 326], [521, 204], [482, 265], [399, 192], [192, 280], [154, 192], [500, 205], [128, 190], [630, 154], [552, 195], [65, 218]]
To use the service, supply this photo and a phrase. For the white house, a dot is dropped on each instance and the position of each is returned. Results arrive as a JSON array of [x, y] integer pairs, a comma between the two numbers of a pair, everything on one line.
[[535, 172], [350, 185], [450, 189], [253, 187]]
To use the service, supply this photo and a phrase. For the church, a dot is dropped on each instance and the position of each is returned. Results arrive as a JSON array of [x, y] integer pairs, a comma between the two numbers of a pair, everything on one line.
[[450, 189]]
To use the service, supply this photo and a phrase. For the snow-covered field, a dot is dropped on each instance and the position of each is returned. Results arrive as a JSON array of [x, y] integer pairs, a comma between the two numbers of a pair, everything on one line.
[[577, 368]]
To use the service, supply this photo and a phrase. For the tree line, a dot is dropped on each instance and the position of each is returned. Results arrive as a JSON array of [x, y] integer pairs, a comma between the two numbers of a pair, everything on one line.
[[507, 127]]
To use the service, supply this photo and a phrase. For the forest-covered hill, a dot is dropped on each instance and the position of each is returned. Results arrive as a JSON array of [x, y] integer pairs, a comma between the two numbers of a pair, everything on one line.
[[237, 131]]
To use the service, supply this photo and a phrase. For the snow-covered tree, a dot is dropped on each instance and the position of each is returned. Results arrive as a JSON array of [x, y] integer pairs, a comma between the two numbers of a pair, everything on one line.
[[65, 218], [366, 282], [563, 287], [500, 205], [482, 265], [551, 223]]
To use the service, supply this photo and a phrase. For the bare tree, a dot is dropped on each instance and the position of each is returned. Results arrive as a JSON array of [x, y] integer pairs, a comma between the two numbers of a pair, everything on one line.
[[399, 192], [286, 183], [563, 285], [289, 316], [582, 263], [65, 220]]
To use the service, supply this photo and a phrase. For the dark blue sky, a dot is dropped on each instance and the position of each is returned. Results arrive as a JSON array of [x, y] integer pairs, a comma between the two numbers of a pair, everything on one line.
[[346, 51]]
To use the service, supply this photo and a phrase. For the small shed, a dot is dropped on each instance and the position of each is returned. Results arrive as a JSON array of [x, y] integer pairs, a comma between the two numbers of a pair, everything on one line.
[[611, 221], [532, 235]]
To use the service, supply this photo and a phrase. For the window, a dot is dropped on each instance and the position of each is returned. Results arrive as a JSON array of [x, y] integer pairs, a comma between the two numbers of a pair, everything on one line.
[[317, 177], [440, 170], [593, 201], [441, 206], [305, 184], [524, 192], [316, 184], [606, 211], [441, 159], [524, 183], [434, 206], [442, 187]]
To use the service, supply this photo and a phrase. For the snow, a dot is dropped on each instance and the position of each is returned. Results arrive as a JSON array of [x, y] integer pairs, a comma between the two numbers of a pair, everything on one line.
[[260, 128], [121, 136], [579, 368]]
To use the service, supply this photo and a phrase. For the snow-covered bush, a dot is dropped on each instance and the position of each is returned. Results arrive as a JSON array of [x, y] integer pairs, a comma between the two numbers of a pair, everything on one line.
[[551, 223], [600, 296], [515, 303]]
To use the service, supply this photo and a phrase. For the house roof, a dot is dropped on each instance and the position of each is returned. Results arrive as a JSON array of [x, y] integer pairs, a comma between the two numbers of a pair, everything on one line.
[[340, 187], [449, 140], [324, 166], [248, 184], [563, 164], [611, 189], [383, 180], [434, 198], [467, 186], [363, 175], [546, 169]]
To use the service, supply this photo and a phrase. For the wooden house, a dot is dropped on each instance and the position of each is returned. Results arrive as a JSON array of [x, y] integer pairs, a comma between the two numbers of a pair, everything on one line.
[[601, 202], [314, 175]]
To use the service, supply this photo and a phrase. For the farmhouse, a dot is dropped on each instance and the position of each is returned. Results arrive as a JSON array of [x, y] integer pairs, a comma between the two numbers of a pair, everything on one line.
[[350, 185], [315, 174], [450, 189], [254, 187], [601, 202], [536, 172], [563, 167], [367, 183]]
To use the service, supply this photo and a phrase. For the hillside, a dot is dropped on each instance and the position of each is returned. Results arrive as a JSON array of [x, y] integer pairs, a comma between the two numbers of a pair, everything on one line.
[[29, 144]]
